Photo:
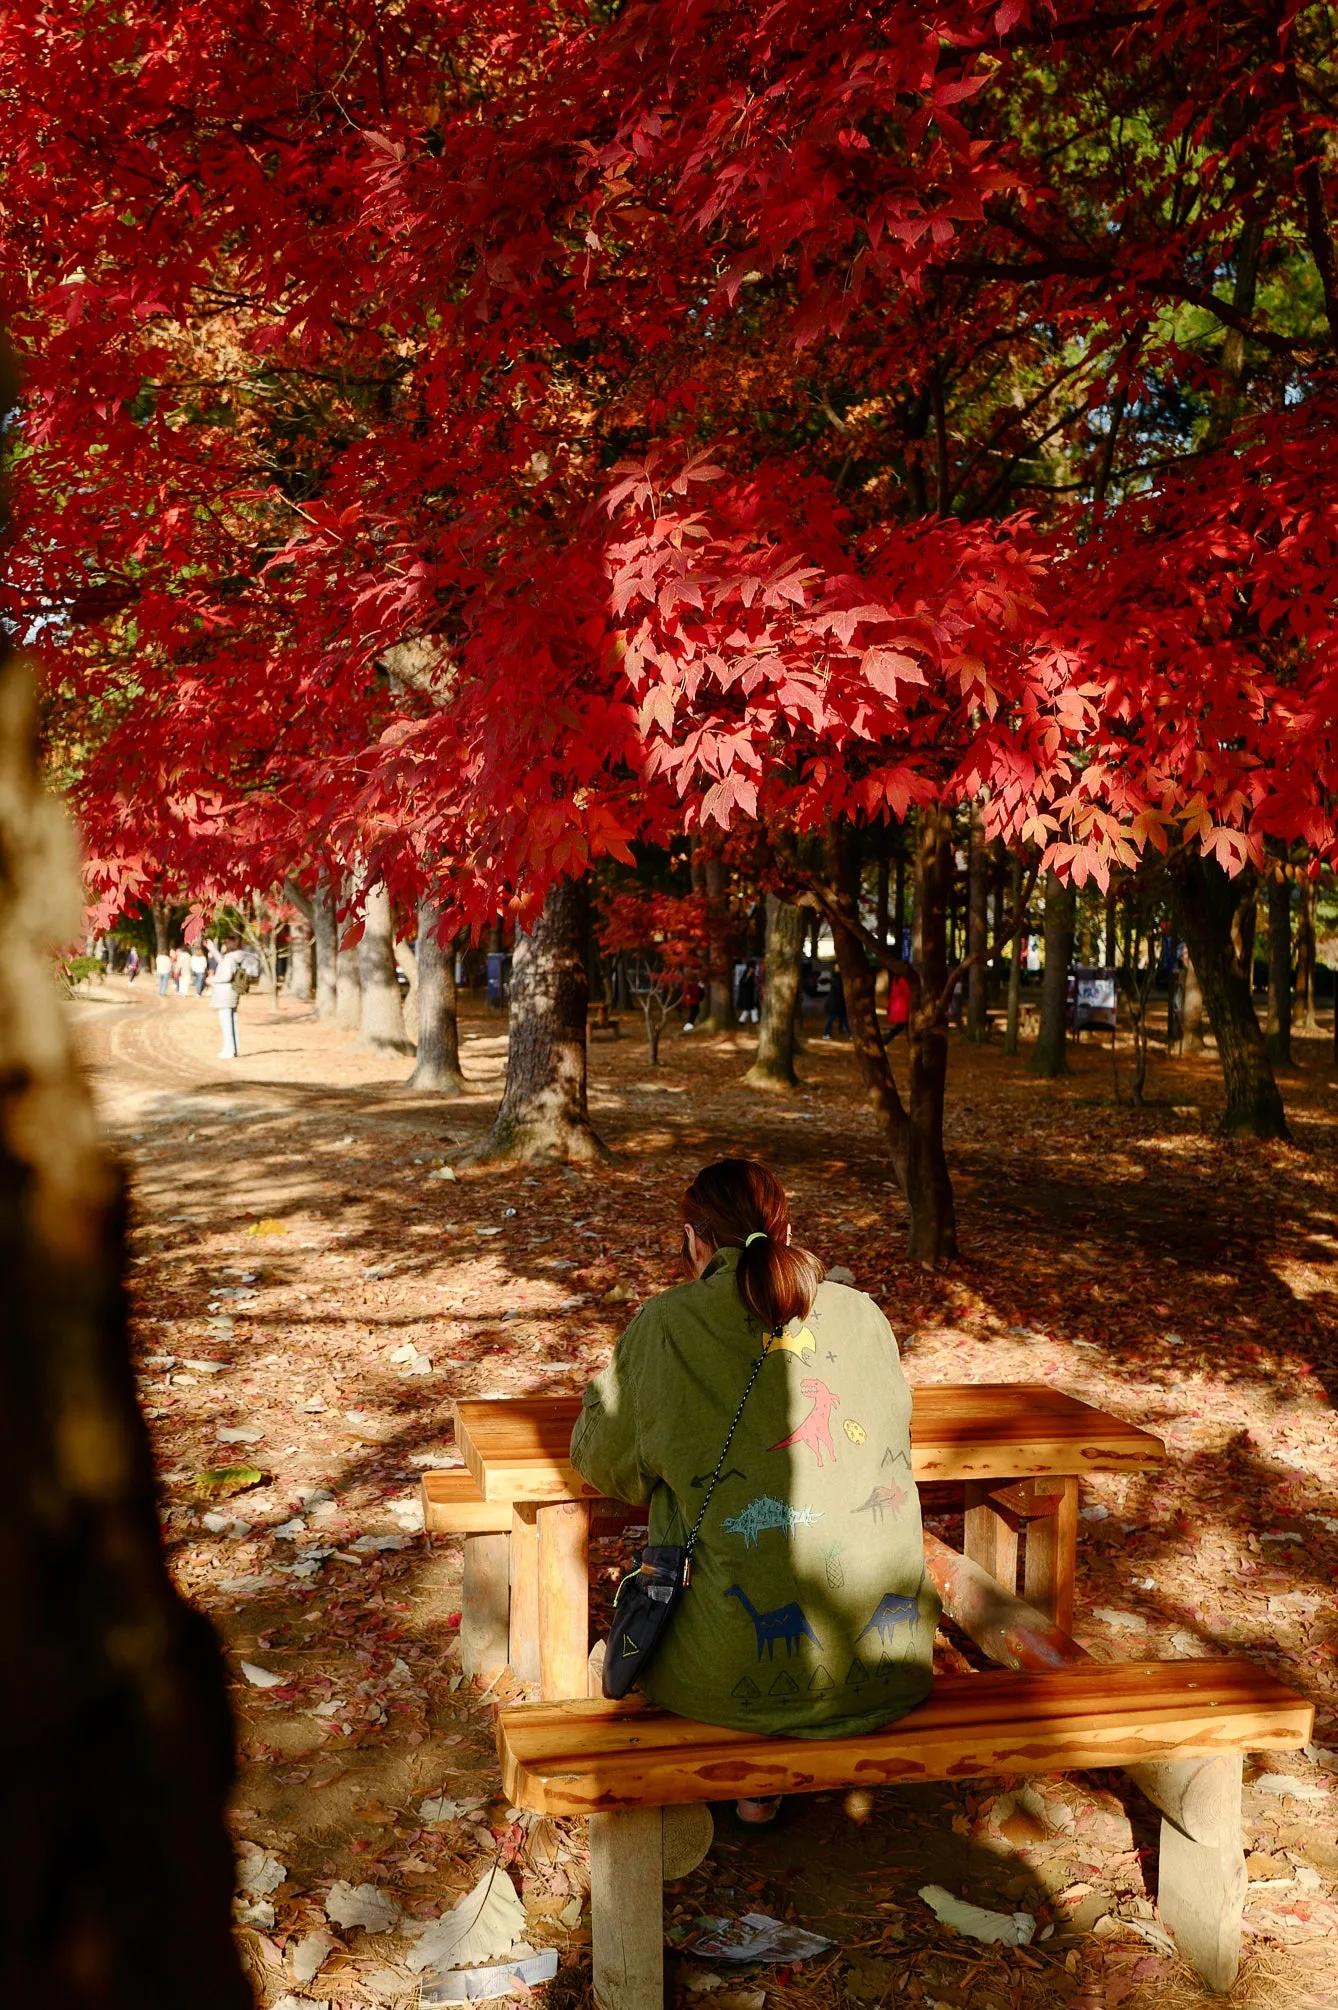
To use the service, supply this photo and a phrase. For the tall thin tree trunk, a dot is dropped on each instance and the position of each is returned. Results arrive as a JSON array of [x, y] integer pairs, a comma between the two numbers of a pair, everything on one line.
[[326, 938], [543, 1113], [719, 1016], [1018, 952], [1051, 1055], [162, 920], [977, 928], [774, 1066], [1305, 954], [1191, 1011], [914, 1130], [438, 1065], [301, 982], [1245, 924], [1206, 901], [899, 889], [117, 1746], [883, 921], [1279, 958], [348, 981], [381, 1024]]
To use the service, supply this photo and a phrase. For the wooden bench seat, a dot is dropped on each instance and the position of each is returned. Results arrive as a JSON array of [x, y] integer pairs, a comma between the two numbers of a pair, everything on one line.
[[1185, 1724], [453, 1505]]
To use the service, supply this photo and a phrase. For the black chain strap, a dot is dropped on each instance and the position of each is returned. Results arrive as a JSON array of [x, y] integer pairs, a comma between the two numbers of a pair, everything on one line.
[[720, 1462]]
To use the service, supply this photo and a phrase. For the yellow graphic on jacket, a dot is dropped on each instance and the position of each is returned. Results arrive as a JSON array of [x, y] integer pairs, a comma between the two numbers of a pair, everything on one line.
[[800, 1343]]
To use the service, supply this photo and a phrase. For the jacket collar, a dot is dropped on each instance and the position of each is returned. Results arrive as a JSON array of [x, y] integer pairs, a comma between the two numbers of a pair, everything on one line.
[[726, 1259]]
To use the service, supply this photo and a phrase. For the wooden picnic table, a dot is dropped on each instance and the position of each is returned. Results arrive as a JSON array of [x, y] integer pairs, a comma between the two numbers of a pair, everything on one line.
[[1017, 1448]]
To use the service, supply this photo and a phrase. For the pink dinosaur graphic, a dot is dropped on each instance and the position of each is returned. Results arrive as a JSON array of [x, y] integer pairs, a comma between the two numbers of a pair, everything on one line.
[[816, 1429]]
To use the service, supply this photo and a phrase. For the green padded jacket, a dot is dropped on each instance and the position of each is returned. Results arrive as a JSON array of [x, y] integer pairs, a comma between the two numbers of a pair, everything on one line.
[[809, 1610]]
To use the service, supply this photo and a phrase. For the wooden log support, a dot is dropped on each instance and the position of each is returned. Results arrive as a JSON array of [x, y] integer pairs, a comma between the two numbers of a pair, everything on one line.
[[524, 1628], [564, 1598], [485, 1608], [1201, 1877], [1049, 1564], [989, 1538], [627, 1908]]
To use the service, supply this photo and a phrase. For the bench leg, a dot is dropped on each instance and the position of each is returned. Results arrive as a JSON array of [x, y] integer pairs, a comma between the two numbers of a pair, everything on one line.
[[564, 1599], [525, 1592], [1201, 1884], [987, 1538], [485, 1608], [1051, 1559], [627, 1908]]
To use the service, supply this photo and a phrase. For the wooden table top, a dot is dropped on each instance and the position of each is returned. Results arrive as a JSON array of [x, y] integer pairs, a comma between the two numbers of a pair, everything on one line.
[[518, 1450]]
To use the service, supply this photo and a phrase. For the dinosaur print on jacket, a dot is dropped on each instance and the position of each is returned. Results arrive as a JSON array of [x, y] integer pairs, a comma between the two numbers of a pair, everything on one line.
[[893, 1610], [883, 1500], [766, 1512], [787, 1623], [816, 1429]]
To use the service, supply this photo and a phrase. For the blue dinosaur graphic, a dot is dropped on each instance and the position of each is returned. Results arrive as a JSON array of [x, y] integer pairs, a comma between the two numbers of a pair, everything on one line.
[[787, 1623], [893, 1610], [766, 1512]]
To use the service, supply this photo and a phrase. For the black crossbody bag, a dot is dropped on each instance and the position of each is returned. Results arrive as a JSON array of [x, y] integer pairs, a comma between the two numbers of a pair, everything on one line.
[[645, 1601]]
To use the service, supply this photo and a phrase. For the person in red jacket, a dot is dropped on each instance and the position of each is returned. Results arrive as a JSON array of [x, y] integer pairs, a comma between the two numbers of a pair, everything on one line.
[[899, 1007]]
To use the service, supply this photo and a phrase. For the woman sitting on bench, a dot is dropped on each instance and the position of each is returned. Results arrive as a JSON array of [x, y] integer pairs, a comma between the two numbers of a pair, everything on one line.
[[808, 1610]]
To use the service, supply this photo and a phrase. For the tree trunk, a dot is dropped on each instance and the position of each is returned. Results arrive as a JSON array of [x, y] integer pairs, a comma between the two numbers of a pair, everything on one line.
[[325, 936], [301, 981], [381, 1022], [914, 1132], [438, 1065], [1305, 954], [1019, 950], [977, 928], [719, 1001], [348, 983], [1206, 901], [774, 1066], [117, 1747], [1051, 1056], [899, 889], [162, 918], [543, 1113], [884, 917], [1245, 924], [1279, 958], [1191, 1011]]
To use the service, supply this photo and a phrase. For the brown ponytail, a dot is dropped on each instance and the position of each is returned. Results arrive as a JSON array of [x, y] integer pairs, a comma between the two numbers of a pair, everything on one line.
[[737, 1198]]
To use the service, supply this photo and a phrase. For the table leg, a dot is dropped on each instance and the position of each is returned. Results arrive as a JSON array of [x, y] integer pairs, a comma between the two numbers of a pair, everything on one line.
[[485, 1608], [988, 1539], [1051, 1560], [564, 1599], [525, 1591]]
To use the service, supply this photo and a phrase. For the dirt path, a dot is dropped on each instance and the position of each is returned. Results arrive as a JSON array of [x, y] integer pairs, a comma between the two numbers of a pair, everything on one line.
[[312, 1289]]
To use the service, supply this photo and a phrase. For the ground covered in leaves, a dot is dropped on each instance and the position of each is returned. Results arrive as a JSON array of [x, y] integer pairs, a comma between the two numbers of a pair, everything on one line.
[[313, 1285]]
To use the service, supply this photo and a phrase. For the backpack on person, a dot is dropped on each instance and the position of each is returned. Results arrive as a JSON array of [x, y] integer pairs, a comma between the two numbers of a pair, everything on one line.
[[240, 980]]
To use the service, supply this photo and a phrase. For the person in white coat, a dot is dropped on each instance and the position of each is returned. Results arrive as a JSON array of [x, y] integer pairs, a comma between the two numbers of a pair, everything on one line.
[[223, 993]]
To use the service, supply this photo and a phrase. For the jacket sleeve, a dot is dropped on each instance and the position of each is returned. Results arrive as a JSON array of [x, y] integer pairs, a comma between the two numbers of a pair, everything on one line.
[[606, 1443]]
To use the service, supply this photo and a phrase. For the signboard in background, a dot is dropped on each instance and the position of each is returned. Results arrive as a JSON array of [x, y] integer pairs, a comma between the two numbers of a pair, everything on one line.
[[1096, 1000], [499, 979]]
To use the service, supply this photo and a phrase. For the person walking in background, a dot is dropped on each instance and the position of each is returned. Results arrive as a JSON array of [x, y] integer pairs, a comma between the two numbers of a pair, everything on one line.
[[199, 970], [899, 1007], [747, 998], [232, 976], [163, 966], [692, 1005], [183, 973], [132, 965], [836, 1005]]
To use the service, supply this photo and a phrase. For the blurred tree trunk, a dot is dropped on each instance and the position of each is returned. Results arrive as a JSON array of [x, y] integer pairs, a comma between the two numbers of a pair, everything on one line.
[[543, 1113], [1305, 955], [1206, 903], [301, 981], [326, 937], [348, 980], [115, 1739], [1051, 1055], [1017, 951], [381, 1018], [774, 1066], [438, 1065], [977, 928], [1191, 1011], [1279, 958]]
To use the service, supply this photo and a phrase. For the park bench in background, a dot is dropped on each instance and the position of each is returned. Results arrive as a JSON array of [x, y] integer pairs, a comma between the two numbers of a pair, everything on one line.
[[600, 1023], [1184, 1724]]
